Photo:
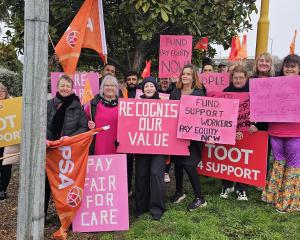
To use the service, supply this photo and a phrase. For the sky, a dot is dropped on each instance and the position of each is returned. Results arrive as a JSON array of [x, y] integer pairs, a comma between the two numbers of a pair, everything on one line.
[[284, 17]]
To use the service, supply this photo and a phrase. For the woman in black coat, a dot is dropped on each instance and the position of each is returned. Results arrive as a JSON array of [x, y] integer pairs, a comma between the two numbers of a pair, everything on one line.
[[65, 117], [188, 84], [150, 168]]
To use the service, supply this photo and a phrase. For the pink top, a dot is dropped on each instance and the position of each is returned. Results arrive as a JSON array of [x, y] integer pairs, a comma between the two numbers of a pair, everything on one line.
[[284, 129], [105, 140]]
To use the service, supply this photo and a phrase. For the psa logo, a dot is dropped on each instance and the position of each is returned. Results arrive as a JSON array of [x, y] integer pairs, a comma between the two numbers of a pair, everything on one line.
[[74, 196], [72, 38]]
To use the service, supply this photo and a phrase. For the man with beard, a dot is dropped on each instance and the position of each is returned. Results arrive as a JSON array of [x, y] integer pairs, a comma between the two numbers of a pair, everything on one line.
[[130, 92], [166, 86], [131, 79]]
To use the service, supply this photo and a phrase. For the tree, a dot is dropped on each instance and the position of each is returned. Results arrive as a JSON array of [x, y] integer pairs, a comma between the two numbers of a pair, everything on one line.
[[133, 27], [12, 80], [9, 58]]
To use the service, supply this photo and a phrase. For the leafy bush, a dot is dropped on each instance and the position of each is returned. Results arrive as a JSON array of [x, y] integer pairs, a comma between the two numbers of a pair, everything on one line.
[[12, 80]]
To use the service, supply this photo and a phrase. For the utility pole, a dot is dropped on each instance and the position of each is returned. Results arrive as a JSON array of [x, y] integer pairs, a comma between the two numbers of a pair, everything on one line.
[[263, 29], [32, 165]]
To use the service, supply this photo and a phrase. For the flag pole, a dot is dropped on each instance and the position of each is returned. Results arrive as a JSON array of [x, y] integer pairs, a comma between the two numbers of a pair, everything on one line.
[[51, 42]]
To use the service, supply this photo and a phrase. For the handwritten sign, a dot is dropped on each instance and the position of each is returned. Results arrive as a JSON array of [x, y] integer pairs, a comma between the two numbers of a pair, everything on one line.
[[149, 126], [208, 119], [163, 96], [243, 122], [10, 121], [275, 99], [175, 52], [79, 79], [215, 82], [105, 203], [246, 162]]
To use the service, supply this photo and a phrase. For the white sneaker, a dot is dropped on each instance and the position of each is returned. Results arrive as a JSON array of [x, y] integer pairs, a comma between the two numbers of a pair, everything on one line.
[[167, 178], [242, 196], [225, 192], [130, 194]]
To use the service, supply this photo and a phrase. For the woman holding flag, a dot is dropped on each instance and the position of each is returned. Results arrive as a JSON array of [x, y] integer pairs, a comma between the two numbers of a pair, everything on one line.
[[65, 117]]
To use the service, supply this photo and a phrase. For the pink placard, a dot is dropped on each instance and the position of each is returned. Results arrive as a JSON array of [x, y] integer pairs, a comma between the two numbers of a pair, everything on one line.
[[105, 199], [243, 122], [79, 79], [275, 99], [175, 51], [149, 127], [208, 119], [215, 82], [163, 96]]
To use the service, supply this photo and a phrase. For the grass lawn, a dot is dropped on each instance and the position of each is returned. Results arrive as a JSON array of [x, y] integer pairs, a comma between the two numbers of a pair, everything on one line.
[[221, 219]]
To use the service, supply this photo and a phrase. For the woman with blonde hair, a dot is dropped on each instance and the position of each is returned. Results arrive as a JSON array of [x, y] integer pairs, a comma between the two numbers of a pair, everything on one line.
[[264, 66]]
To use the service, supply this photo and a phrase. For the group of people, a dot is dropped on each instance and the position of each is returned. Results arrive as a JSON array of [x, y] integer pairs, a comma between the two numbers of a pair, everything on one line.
[[66, 117]]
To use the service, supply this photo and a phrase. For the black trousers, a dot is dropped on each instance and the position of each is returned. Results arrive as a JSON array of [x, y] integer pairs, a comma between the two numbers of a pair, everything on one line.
[[149, 184], [5, 171], [238, 186], [193, 177], [167, 168], [130, 161], [5, 176], [47, 196]]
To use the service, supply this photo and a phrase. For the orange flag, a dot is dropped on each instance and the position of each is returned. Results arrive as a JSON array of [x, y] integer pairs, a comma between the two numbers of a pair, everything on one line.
[[202, 44], [66, 168], [85, 31], [292, 46], [147, 70], [235, 48], [87, 93], [243, 51]]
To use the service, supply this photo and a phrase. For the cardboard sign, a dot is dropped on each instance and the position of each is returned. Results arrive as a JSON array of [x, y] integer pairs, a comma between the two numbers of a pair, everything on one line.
[[215, 82], [208, 119], [79, 80], [246, 162], [175, 52], [105, 203], [243, 122], [275, 99], [163, 96], [149, 126], [10, 121]]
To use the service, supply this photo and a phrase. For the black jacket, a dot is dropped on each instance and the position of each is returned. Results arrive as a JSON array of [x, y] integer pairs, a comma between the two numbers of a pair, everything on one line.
[[232, 88], [75, 119], [195, 147]]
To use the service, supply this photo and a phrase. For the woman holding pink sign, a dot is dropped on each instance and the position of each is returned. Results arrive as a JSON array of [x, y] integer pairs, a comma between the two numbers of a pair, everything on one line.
[[283, 187], [238, 83], [149, 170], [188, 84], [5, 170]]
